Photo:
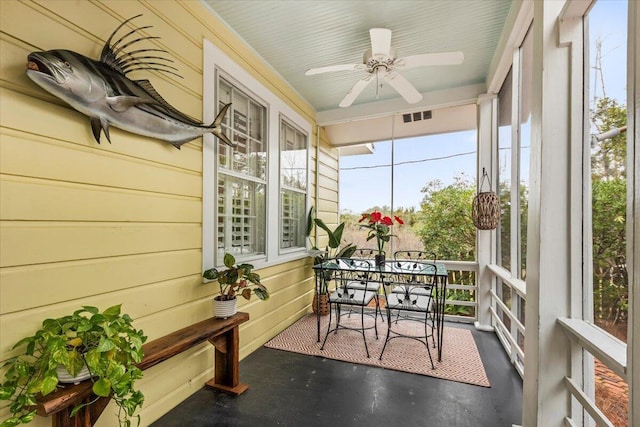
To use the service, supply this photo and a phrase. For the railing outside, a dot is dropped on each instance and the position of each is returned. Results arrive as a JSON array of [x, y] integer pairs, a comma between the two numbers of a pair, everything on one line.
[[507, 310], [607, 348], [508, 301], [461, 303]]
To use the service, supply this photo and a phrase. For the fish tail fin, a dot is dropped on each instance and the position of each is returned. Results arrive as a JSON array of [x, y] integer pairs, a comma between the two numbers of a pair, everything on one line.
[[220, 117], [217, 128]]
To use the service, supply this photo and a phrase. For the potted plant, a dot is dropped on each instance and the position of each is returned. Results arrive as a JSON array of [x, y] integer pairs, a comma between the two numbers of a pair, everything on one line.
[[234, 280], [332, 250], [379, 228], [105, 345]]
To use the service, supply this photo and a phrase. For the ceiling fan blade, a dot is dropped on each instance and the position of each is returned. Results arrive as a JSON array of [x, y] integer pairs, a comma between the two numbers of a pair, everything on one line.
[[356, 90], [380, 41], [330, 68], [443, 58], [403, 87]]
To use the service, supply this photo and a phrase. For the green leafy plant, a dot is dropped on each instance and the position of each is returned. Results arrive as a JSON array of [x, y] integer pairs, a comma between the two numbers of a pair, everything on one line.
[[237, 280], [333, 248], [107, 343]]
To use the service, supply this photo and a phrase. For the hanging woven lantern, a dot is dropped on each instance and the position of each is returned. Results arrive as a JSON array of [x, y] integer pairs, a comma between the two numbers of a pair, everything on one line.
[[485, 209]]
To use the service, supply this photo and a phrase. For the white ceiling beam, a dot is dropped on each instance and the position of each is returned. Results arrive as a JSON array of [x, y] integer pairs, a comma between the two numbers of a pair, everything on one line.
[[430, 101], [444, 120]]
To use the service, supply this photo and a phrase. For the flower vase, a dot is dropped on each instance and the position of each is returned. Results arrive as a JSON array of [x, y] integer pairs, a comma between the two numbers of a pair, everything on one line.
[[380, 258]]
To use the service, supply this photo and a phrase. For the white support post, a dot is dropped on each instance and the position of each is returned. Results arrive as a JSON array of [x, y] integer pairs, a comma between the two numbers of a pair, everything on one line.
[[633, 210], [556, 113], [485, 239]]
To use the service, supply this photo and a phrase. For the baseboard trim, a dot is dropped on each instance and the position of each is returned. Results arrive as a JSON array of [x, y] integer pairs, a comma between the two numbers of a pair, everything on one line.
[[486, 328]]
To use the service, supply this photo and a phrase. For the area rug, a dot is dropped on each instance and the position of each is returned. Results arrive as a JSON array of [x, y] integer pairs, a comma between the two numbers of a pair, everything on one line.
[[460, 358]]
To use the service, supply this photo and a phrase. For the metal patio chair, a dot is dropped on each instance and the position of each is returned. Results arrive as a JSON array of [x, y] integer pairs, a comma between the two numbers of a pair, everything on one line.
[[345, 272], [410, 295]]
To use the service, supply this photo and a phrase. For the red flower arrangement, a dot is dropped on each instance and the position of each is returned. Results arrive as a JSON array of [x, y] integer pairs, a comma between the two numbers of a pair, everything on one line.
[[379, 227]]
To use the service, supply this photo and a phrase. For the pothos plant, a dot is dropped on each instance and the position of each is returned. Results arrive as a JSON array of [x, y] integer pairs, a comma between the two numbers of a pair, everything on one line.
[[333, 248], [105, 342], [236, 280]]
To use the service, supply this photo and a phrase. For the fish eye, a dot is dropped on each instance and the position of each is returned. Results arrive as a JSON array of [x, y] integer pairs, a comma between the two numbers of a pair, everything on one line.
[[66, 64]]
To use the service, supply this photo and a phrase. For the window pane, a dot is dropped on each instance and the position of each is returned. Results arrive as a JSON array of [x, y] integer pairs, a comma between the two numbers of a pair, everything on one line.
[[292, 207], [293, 158], [247, 130], [608, 174], [610, 283], [241, 226], [504, 170]]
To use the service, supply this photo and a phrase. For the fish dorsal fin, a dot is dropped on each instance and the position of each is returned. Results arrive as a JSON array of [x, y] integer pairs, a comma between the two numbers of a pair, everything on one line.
[[115, 56], [153, 93], [108, 56]]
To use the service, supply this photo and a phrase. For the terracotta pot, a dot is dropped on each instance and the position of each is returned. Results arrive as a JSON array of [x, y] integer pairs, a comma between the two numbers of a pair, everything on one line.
[[324, 304], [224, 308]]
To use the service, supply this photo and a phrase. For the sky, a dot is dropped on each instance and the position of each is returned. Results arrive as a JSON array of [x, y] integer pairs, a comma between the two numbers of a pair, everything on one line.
[[364, 184]]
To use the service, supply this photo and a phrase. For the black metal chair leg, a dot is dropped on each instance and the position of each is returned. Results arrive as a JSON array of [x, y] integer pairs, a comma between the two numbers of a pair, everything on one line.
[[328, 329], [364, 338]]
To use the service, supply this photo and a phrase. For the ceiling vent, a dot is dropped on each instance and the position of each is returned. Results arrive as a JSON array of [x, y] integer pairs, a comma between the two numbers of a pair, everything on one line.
[[414, 117]]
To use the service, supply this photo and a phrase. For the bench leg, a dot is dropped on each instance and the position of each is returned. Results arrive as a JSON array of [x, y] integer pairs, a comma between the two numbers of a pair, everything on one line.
[[86, 417], [227, 370]]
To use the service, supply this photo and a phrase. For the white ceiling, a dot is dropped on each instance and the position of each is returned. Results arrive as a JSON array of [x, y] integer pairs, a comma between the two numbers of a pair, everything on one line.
[[293, 36]]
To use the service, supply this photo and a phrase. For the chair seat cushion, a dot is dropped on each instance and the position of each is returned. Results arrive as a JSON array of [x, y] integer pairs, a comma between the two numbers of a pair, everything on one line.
[[352, 296]]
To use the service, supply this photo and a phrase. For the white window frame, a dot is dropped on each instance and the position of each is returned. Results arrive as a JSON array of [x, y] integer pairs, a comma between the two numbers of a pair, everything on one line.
[[216, 60], [285, 120], [231, 173]]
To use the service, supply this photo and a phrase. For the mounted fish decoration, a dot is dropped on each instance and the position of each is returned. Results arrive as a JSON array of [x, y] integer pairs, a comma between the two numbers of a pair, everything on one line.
[[102, 90]]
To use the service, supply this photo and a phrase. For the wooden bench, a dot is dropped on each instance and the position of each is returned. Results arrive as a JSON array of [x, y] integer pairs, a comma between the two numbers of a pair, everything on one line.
[[222, 333]]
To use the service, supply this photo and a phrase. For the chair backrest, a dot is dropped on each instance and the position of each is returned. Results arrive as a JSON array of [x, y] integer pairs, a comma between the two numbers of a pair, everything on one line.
[[416, 255], [366, 253], [409, 282], [346, 271]]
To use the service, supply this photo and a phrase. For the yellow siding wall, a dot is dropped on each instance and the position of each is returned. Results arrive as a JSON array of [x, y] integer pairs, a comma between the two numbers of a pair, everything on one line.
[[89, 224], [327, 195]]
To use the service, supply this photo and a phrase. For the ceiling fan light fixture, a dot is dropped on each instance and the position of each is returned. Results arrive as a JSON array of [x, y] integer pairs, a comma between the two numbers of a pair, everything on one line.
[[380, 41], [381, 60]]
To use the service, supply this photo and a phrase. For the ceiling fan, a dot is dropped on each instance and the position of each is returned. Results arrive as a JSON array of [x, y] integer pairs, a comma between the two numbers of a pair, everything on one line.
[[380, 62]]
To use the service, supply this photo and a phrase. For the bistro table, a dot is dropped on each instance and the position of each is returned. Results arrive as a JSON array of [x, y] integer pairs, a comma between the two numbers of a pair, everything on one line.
[[395, 268]]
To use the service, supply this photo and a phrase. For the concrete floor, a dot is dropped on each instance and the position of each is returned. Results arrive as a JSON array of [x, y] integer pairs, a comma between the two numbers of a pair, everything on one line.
[[290, 389]]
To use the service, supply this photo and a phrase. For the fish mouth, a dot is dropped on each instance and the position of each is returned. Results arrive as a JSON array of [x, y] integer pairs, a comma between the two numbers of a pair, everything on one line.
[[35, 63]]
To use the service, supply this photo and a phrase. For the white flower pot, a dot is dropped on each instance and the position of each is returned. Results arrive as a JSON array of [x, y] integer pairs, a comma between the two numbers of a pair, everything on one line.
[[65, 377], [225, 308]]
